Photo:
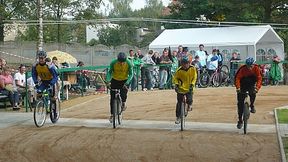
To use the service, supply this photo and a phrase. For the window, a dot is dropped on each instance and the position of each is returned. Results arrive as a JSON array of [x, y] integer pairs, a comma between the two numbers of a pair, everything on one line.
[[226, 55], [260, 55]]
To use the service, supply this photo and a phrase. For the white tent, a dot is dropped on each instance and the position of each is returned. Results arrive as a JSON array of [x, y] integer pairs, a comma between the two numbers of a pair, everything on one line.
[[260, 41]]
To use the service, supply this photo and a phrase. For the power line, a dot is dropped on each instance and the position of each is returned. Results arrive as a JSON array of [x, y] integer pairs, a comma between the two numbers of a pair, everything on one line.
[[133, 19]]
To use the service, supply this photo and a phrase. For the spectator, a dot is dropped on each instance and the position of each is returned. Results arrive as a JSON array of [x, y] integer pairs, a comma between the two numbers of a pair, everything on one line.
[[82, 77], [234, 65], [148, 69], [212, 62], [175, 61], [156, 57], [275, 71], [139, 53], [202, 55], [136, 63], [220, 58], [198, 67], [163, 69], [7, 88], [55, 62], [2, 64]]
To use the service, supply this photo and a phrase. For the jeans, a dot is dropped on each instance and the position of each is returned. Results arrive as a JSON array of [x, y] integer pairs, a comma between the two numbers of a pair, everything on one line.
[[163, 75], [115, 84], [148, 77], [13, 96], [241, 98]]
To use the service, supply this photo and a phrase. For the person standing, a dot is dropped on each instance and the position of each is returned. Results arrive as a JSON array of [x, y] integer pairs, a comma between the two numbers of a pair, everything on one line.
[[163, 69], [202, 55], [148, 69], [234, 63]]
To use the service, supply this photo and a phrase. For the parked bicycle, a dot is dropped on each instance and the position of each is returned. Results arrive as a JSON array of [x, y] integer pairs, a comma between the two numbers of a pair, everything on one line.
[[45, 106], [219, 77]]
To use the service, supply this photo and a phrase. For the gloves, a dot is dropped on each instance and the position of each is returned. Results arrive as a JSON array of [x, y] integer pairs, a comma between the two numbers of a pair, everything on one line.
[[37, 86], [191, 88], [238, 90], [176, 88]]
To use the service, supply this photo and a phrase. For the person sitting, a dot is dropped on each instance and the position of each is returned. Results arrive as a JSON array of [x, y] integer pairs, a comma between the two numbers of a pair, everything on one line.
[[7, 88]]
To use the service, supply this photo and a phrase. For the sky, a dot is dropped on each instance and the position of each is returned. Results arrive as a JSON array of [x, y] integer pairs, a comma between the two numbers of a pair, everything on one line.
[[136, 4]]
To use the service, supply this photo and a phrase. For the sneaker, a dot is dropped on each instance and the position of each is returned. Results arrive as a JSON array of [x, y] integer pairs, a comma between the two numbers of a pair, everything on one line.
[[253, 110], [177, 121], [144, 89], [15, 108], [123, 107], [111, 119], [239, 124]]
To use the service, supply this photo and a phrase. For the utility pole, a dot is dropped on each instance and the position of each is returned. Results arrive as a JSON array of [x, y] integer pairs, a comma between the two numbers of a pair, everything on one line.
[[40, 29]]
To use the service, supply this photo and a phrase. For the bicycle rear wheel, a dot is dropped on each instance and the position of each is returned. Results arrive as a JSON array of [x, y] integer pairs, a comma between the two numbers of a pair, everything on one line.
[[204, 80], [40, 113], [55, 111], [225, 69], [246, 115], [182, 116]]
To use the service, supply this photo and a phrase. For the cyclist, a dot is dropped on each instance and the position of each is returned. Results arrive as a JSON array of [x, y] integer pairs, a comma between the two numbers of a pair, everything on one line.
[[247, 78], [184, 79], [45, 73], [119, 75]]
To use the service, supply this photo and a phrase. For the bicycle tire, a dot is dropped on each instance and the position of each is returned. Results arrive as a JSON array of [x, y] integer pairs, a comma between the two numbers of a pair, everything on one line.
[[182, 116], [204, 80], [216, 79], [225, 78], [119, 112], [55, 111], [246, 114], [225, 69], [114, 113], [40, 113]]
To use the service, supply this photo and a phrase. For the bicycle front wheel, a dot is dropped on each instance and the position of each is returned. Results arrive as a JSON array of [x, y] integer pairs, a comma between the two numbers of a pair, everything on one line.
[[204, 80], [182, 117], [115, 112], [40, 113], [246, 115], [55, 111]]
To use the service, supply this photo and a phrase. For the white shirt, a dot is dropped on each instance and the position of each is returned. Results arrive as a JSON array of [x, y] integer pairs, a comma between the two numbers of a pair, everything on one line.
[[202, 57], [19, 77]]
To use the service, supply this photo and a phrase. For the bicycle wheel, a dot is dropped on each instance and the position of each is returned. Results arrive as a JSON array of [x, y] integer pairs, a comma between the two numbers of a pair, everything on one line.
[[55, 111], [182, 116], [119, 112], [225, 69], [225, 78], [204, 80], [40, 113], [114, 108], [216, 79], [246, 114]]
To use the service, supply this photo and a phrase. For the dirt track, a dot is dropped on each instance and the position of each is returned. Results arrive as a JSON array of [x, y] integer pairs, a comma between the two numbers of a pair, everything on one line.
[[55, 143]]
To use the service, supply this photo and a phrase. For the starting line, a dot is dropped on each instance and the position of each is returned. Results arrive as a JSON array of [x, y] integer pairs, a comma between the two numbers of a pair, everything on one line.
[[13, 119]]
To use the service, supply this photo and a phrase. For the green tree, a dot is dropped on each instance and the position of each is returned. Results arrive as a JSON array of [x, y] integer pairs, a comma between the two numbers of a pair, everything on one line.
[[13, 9]]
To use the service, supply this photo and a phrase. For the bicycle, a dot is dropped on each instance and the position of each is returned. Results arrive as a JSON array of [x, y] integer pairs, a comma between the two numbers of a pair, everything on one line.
[[246, 112], [183, 111], [116, 108], [45, 106], [218, 78]]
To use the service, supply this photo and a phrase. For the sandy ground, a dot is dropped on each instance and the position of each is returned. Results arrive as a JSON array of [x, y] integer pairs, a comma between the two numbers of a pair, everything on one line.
[[217, 105]]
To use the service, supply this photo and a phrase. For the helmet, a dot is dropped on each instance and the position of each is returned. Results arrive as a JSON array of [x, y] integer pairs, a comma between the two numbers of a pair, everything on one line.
[[121, 57], [184, 60], [249, 61], [41, 54]]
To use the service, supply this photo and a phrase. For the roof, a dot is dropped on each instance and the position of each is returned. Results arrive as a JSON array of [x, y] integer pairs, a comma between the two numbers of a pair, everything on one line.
[[218, 36]]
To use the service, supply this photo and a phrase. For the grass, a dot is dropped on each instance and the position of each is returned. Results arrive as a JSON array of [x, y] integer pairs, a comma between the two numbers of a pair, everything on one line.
[[282, 115], [285, 145]]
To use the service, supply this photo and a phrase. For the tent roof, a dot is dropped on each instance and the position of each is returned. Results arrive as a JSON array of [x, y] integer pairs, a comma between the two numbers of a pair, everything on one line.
[[218, 36]]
